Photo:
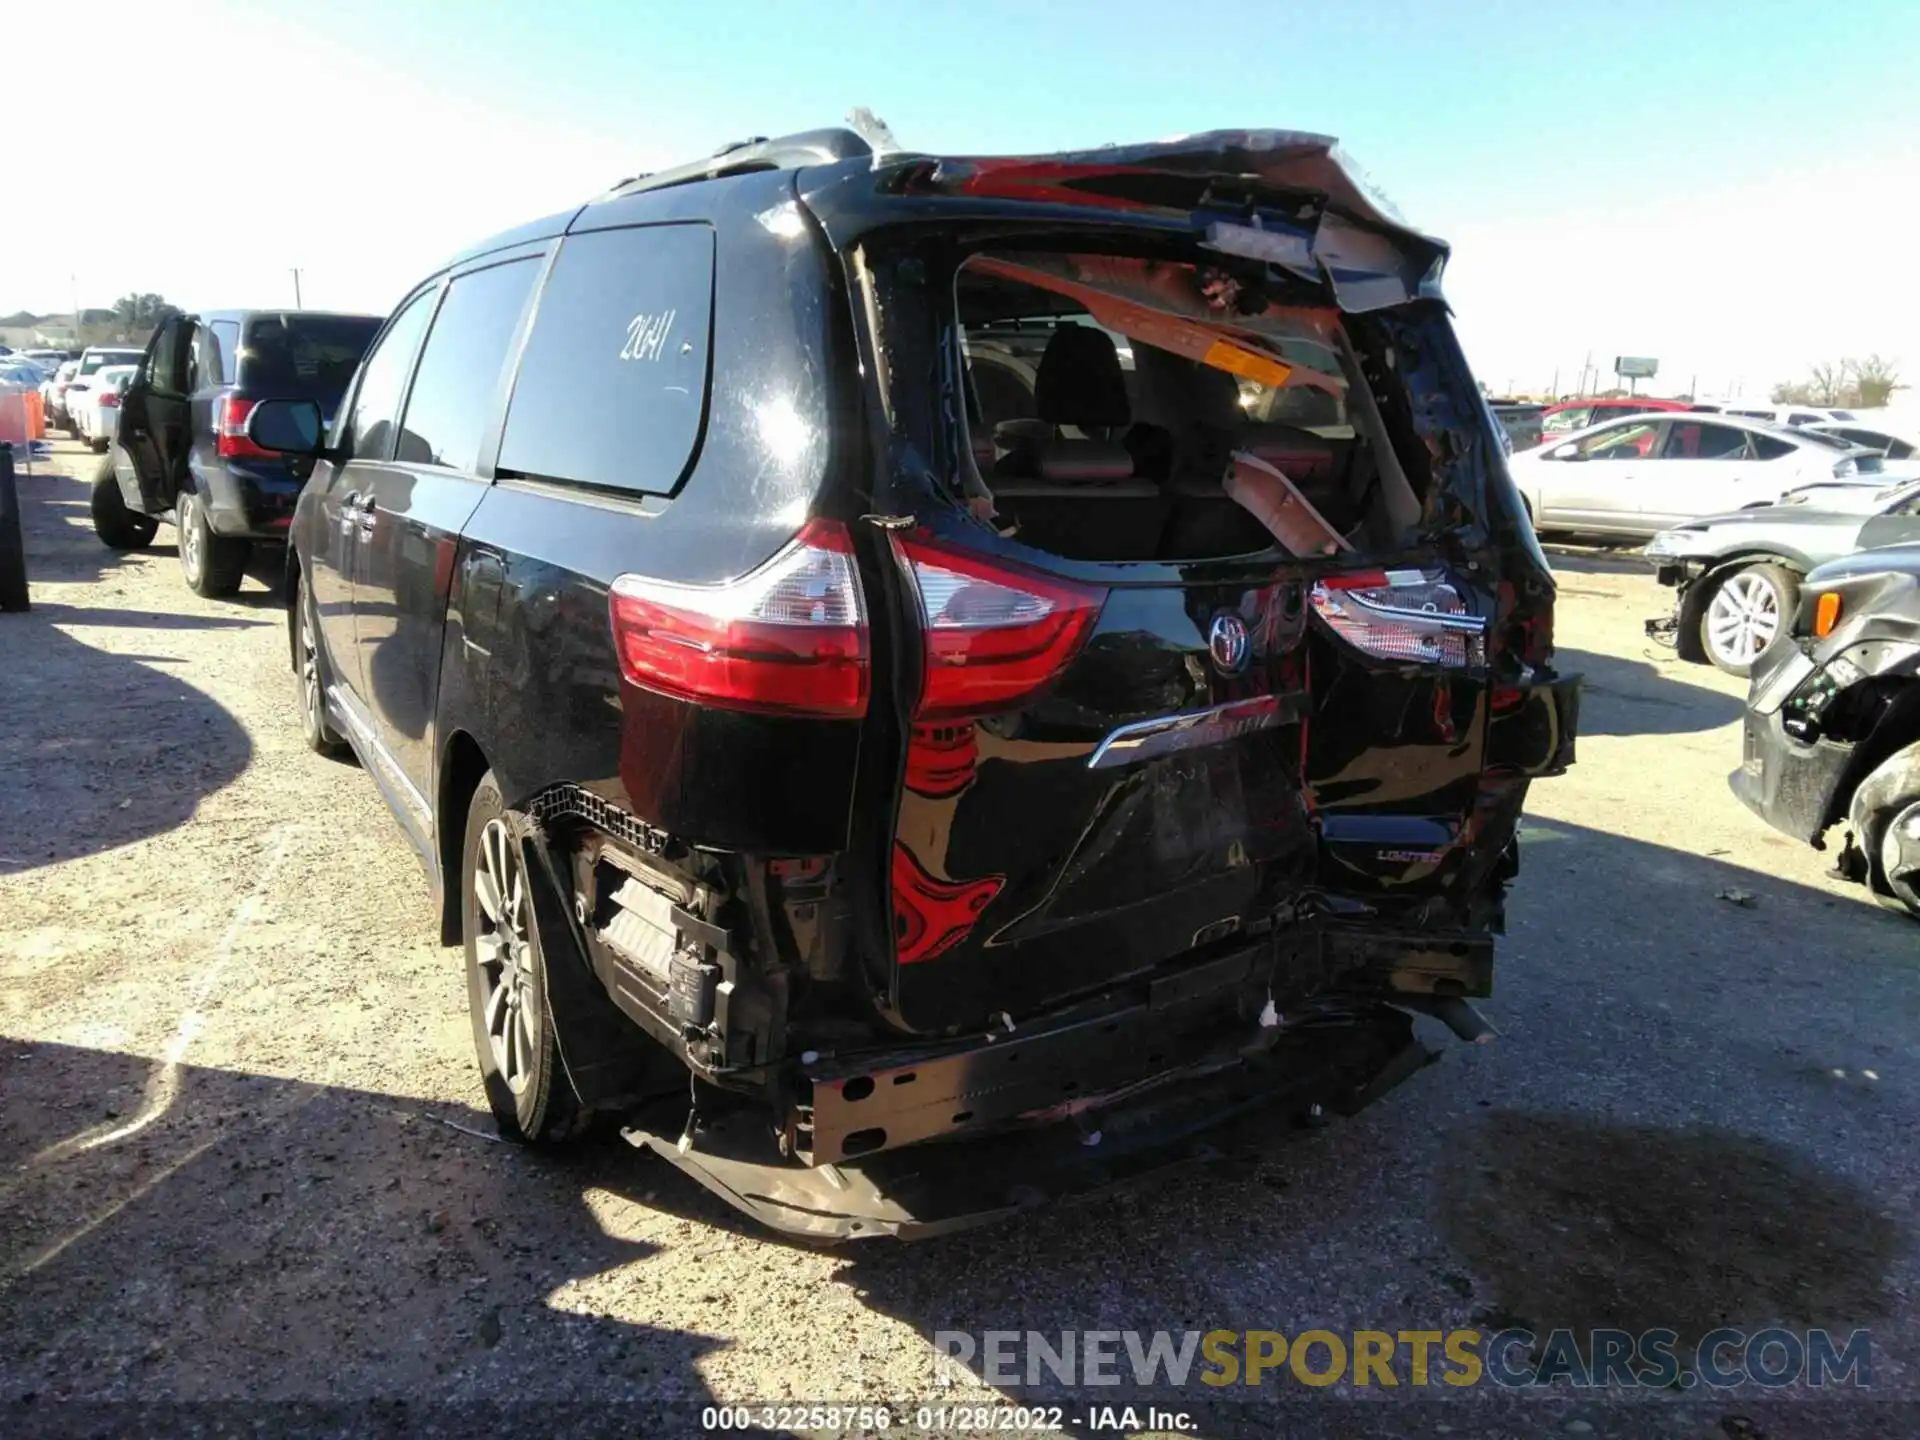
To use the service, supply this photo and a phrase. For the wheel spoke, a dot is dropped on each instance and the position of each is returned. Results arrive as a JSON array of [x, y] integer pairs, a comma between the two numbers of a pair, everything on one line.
[[488, 894], [523, 1023], [497, 1007], [495, 854], [490, 949], [510, 1046]]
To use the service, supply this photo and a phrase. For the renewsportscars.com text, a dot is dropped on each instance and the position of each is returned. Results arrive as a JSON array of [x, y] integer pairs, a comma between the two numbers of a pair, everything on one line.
[[1772, 1358]]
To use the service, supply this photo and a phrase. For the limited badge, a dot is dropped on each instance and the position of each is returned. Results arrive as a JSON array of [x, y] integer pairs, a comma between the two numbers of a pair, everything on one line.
[[1227, 642]]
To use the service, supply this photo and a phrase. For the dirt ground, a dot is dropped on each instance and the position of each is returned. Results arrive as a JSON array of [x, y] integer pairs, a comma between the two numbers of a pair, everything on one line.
[[244, 1158]]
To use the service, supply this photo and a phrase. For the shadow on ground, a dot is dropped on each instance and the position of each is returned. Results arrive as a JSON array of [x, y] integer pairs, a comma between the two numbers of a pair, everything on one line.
[[1581, 1224], [264, 1241], [1624, 558], [1632, 697], [97, 749], [57, 525]]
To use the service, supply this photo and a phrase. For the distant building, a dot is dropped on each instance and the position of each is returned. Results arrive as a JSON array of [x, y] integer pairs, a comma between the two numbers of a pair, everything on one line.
[[24, 330]]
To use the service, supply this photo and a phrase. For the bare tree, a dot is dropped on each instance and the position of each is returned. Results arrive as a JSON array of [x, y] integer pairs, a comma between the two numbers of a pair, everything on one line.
[[1874, 380], [1829, 383], [1853, 384]]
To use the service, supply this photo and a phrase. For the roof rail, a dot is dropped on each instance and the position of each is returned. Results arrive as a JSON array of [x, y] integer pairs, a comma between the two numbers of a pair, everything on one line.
[[787, 152]]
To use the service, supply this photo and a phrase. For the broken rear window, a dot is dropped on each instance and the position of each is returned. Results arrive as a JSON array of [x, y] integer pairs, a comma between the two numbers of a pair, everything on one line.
[[1129, 408]]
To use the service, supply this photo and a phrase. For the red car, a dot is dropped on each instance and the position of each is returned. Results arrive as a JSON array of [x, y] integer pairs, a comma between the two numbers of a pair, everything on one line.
[[1571, 415]]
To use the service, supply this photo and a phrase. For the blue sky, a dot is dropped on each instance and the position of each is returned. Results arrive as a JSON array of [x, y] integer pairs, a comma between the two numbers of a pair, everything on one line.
[[1723, 186]]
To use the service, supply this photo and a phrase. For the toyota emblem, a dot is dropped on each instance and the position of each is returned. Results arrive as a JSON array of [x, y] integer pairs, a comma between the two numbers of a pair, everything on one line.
[[1227, 643]]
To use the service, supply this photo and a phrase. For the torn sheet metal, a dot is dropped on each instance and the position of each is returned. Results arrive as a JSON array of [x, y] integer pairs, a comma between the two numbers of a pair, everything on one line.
[[1368, 255], [933, 1189]]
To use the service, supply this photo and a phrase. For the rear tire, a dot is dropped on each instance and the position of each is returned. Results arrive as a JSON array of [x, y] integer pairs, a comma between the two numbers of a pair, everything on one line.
[[98, 444], [213, 564], [1748, 613], [532, 1100], [118, 527]]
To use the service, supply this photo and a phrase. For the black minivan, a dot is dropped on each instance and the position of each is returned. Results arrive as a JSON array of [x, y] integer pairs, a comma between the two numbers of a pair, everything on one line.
[[923, 683], [182, 453]]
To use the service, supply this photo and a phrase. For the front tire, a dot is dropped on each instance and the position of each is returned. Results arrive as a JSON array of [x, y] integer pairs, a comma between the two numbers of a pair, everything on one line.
[[1897, 865], [1748, 613], [118, 527], [514, 1041], [213, 564], [310, 680]]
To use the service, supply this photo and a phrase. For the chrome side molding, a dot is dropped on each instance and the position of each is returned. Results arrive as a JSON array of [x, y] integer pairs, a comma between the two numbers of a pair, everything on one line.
[[1146, 739]]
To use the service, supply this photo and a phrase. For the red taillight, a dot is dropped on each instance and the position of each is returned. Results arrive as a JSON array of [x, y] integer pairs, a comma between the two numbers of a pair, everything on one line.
[[995, 633], [230, 430], [109, 400], [789, 638]]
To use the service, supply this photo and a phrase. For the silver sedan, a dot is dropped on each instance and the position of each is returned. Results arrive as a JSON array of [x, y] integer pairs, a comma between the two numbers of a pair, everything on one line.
[[1738, 575]]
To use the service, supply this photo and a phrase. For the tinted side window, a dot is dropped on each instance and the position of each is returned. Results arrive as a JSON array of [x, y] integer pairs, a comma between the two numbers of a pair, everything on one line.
[[1690, 440], [1772, 447], [459, 376], [1622, 442], [226, 336], [167, 372], [612, 388], [204, 368], [382, 380], [303, 356]]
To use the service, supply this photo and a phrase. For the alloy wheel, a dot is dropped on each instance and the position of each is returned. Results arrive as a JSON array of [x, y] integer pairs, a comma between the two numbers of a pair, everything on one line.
[[1743, 619], [1900, 857], [193, 545], [310, 670], [503, 950]]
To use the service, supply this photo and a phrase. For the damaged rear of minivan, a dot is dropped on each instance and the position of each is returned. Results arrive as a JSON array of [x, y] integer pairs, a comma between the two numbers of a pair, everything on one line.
[[1194, 655]]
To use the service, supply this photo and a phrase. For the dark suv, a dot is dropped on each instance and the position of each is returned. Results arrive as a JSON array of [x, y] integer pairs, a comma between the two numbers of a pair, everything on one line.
[[182, 451], [977, 783]]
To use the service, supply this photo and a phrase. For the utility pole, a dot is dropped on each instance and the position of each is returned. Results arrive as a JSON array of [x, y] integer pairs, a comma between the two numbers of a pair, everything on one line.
[[296, 290]]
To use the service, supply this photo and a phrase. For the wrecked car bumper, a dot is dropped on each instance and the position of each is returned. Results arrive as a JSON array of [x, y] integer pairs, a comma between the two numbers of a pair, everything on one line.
[[1200, 1017], [1790, 786], [1338, 1063]]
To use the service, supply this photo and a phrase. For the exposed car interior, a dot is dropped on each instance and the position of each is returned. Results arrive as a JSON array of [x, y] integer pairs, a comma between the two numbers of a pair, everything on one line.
[[1113, 402]]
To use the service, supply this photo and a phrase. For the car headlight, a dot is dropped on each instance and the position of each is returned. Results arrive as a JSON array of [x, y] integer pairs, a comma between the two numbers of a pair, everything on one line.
[[1677, 542]]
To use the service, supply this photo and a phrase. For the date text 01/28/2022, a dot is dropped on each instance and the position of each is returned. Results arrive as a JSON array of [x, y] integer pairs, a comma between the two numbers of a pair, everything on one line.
[[933, 1419]]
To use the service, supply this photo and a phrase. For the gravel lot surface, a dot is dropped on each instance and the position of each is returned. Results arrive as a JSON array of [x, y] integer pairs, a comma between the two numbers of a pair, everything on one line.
[[243, 1155]]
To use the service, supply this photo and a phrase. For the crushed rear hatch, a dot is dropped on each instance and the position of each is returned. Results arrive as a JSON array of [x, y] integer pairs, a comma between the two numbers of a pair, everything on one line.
[[1205, 609]]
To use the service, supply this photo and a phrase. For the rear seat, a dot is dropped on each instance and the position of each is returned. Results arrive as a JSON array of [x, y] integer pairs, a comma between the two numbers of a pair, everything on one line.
[[1155, 469], [1079, 450], [1198, 407]]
